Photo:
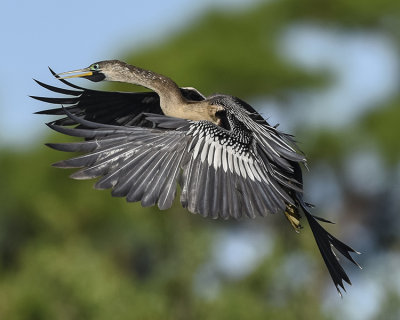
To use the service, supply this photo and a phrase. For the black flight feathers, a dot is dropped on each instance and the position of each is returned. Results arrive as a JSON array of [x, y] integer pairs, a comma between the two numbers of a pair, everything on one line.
[[119, 108]]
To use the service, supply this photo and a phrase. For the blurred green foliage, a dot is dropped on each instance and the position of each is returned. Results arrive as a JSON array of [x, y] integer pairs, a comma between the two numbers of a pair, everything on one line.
[[70, 252]]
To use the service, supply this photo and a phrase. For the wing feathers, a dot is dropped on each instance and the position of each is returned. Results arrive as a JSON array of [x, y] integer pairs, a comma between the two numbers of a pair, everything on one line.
[[251, 169], [128, 159], [58, 90], [169, 188]]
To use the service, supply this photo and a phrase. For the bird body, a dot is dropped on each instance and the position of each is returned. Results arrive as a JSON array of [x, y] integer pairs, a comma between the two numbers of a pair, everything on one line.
[[228, 160]]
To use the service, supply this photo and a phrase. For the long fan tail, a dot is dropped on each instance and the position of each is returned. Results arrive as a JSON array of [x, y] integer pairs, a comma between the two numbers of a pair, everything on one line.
[[326, 242]]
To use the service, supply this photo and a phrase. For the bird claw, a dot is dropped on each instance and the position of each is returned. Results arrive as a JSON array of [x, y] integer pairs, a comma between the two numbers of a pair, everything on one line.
[[293, 217]]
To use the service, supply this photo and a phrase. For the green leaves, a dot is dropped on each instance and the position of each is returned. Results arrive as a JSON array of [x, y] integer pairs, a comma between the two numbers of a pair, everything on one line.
[[70, 252]]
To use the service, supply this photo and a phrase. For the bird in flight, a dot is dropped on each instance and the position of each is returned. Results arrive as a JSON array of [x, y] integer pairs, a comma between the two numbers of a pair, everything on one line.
[[228, 160]]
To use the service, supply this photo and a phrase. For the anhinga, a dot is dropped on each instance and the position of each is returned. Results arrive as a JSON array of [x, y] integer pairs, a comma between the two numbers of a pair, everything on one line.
[[227, 159]]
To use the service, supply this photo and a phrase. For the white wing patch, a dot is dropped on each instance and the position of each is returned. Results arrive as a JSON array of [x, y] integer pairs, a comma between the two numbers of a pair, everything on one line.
[[224, 159], [211, 154], [217, 156], [204, 152], [197, 148], [219, 153], [227, 158], [230, 158]]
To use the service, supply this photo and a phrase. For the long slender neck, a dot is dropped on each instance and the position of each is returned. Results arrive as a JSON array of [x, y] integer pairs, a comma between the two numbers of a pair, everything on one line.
[[172, 102], [168, 91]]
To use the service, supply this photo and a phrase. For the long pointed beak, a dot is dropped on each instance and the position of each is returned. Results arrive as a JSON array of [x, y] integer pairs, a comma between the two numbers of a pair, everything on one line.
[[75, 74]]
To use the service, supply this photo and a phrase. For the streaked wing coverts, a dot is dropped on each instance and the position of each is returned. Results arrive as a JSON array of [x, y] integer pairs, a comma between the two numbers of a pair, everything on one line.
[[145, 164]]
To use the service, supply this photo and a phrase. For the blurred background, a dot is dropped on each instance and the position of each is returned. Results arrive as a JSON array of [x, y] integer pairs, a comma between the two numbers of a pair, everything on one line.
[[327, 71]]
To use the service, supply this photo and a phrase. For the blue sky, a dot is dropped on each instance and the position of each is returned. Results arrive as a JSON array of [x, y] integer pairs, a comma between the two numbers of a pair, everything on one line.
[[70, 34], [73, 34]]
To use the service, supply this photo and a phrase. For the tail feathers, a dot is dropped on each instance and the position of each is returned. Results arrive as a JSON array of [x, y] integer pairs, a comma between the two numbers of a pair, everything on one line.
[[326, 242]]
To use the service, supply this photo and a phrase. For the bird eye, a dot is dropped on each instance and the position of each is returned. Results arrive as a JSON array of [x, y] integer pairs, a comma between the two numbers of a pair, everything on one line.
[[94, 67]]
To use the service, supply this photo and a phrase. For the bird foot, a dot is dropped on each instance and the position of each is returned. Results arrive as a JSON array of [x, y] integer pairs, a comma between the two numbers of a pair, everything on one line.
[[294, 217]]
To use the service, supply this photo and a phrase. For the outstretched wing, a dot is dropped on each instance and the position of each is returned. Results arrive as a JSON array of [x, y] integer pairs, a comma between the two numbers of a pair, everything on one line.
[[116, 108], [220, 177]]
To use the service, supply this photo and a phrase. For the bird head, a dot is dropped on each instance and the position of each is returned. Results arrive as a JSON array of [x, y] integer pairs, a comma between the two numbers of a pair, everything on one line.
[[96, 72]]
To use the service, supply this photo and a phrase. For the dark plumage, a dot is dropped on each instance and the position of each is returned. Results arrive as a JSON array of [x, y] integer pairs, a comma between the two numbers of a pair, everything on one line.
[[227, 159]]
